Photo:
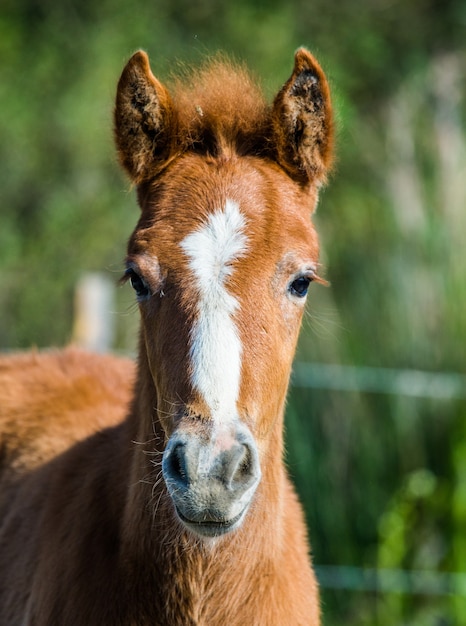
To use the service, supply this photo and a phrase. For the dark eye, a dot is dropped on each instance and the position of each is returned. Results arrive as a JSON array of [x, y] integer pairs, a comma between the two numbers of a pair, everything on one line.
[[138, 284], [300, 286]]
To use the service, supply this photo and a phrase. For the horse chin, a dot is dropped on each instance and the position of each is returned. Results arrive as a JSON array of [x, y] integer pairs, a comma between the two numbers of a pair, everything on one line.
[[209, 528]]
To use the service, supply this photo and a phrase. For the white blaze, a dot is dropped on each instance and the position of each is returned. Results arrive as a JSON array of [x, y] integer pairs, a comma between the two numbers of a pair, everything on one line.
[[216, 346]]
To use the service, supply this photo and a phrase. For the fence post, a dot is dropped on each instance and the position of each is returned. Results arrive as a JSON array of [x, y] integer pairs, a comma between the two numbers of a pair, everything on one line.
[[93, 326]]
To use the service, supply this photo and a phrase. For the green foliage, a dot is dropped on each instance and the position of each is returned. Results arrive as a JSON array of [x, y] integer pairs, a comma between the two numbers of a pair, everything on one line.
[[382, 478]]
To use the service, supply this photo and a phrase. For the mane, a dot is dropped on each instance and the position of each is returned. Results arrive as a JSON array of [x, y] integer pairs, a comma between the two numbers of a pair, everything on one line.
[[220, 108]]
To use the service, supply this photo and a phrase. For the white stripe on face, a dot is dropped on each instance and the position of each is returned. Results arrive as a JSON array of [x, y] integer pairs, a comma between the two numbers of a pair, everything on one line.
[[216, 347]]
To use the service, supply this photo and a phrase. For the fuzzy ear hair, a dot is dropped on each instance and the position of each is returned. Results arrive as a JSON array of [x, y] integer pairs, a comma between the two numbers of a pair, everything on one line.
[[303, 123], [144, 120]]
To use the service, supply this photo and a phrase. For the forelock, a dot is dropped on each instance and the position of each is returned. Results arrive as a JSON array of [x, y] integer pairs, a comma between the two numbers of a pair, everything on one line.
[[219, 108]]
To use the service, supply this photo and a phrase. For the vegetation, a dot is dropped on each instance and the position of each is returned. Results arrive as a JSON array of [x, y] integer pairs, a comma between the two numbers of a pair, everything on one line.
[[382, 476]]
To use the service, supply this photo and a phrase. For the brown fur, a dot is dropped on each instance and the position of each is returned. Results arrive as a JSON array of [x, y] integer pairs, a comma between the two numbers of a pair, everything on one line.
[[88, 533]]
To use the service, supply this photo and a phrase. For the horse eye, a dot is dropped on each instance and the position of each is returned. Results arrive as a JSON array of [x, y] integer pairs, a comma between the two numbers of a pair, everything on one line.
[[138, 284], [300, 286]]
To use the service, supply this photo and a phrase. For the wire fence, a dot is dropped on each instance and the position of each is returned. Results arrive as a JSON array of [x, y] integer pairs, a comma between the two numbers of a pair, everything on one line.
[[443, 386], [420, 582], [414, 383]]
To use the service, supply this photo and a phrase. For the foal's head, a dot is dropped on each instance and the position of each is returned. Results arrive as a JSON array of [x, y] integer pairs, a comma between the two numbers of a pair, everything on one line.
[[221, 261]]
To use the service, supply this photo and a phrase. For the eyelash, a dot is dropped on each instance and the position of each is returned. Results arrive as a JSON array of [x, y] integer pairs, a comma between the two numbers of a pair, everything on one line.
[[300, 284]]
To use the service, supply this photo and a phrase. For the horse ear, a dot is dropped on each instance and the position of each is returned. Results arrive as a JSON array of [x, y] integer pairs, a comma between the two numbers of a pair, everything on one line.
[[144, 120], [303, 123]]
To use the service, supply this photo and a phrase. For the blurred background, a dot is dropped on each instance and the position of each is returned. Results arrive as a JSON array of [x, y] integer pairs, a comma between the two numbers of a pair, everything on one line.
[[376, 423]]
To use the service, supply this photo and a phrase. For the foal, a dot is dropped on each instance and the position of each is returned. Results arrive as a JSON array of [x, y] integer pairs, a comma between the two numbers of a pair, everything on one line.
[[157, 495]]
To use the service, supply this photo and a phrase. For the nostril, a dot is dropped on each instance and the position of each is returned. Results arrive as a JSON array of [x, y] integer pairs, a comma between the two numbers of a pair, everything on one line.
[[245, 464], [243, 468], [176, 464]]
